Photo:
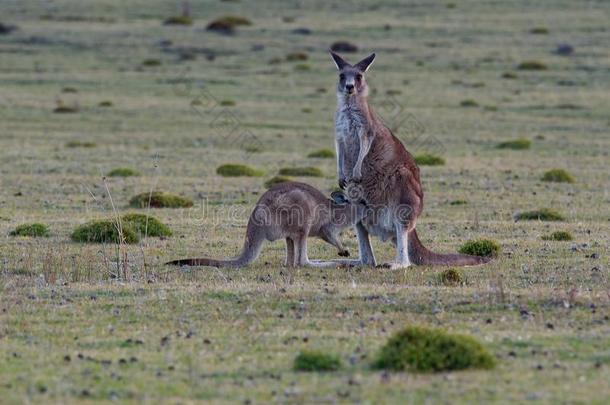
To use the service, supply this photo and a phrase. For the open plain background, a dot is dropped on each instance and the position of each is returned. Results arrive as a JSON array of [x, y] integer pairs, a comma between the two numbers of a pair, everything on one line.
[[73, 329]]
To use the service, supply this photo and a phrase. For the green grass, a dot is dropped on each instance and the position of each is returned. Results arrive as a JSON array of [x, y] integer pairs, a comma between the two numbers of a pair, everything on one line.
[[159, 199], [316, 361], [123, 172], [557, 176], [322, 154], [238, 170], [104, 231], [427, 159], [178, 20], [515, 144], [423, 349], [543, 214], [451, 277], [558, 236], [146, 225], [308, 171], [34, 230], [532, 65], [469, 103], [481, 247], [276, 180]]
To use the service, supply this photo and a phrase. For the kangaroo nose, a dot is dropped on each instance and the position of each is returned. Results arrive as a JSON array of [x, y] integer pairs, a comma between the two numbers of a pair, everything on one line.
[[349, 87]]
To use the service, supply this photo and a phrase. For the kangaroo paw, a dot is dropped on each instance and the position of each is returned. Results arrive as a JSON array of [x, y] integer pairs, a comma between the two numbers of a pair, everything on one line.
[[393, 265], [343, 253]]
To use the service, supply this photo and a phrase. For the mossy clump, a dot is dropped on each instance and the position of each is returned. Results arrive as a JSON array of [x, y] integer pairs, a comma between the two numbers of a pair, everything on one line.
[[458, 202], [227, 103], [316, 361], [469, 103], [104, 231], [238, 170], [509, 75], [322, 154], [559, 236], [451, 277], [80, 144], [543, 214], [146, 225], [276, 180], [428, 159], [151, 62], [539, 31], [297, 56], [343, 46], [227, 24], [481, 247], [105, 103], [178, 20], [122, 172], [34, 230], [557, 176], [515, 144], [62, 108], [159, 199], [432, 350], [532, 65], [301, 172]]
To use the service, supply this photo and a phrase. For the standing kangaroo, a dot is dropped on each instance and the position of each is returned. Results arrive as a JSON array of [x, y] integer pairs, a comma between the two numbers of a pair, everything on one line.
[[292, 211], [374, 164]]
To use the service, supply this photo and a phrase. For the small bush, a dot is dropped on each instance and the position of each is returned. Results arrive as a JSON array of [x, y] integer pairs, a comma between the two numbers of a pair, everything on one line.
[[451, 277], [297, 56], [227, 24], [532, 65], [80, 144], [122, 172], [35, 230], [480, 247], [559, 236], [306, 110], [227, 103], [301, 172], [427, 159], [432, 350], [509, 75], [322, 154], [539, 30], [61, 108], [558, 176], [458, 202], [103, 231], [105, 103], [303, 67], [178, 20], [516, 144], [343, 46], [151, 62], [159, 199], [543, 214], [277, 180], [469, 103], [316, 361], [69, 90], [146, 225], [237, 170]]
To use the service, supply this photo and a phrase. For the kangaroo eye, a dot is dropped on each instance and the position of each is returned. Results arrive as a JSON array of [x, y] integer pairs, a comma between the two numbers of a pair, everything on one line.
[[342, 76], [358, 77]]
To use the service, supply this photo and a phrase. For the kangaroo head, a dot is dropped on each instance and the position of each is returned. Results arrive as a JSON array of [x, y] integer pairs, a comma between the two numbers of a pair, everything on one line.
[[351, 77]]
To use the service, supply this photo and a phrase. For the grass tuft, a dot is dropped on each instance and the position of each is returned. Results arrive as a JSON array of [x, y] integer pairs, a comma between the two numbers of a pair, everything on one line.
[[316, 361], [303, 67], [62, 108], [146, 225], [227, 103], [34, 230], [343, 46], [509, 75], [557, 176], [451, 277], [558, 236], [277, 180], [481, 247], [301, 172], [297, 56], [238, 170], [458, 202], [104, 231], [80, 144], [427, 159], [151, 62], [515, 144], [122, 172], [159, 199], [539, 31], [543, 214], [322, 154], [105, 103], [469, 103], [432, 350], [178, 20], [532, 65]]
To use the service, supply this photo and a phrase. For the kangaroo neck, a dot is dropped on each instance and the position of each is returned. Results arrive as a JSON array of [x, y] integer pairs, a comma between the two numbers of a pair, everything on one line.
[[354, 105]]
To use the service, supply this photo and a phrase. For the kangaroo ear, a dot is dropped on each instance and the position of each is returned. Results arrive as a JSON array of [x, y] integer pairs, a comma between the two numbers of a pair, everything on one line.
[[339, 61], [338, 197], [365, 63]]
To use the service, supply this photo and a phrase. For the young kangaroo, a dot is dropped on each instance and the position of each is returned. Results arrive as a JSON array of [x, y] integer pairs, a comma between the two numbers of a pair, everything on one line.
[[377, 167], [292, 211]]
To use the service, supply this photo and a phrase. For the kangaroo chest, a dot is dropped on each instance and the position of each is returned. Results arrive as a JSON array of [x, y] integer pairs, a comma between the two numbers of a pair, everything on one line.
[[349, 124]]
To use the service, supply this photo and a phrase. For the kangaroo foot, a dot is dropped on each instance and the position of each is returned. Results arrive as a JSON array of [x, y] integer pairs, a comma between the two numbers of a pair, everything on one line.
[[343, 253], [393, 265]]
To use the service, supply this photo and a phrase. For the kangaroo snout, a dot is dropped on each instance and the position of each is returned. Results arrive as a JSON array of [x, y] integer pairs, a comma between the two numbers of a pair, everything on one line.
[[349, 88]]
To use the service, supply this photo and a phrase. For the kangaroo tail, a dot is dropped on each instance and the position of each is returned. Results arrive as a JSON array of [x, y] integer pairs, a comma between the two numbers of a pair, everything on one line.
[[419, 254], [249, 253]]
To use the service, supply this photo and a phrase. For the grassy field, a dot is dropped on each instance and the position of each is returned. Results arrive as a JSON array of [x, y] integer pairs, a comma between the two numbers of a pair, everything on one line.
[[80, 322]]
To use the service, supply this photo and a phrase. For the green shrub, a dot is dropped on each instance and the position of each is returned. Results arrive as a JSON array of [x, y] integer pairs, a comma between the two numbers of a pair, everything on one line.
[[451, 277], [159, 199], [227, 103], [509, 75], [481, 247], [61, 108], [532, 65], [543, 214], [427, 159], [469, 103], [458, 202], [104, 231], [105, 103], [178, 20], [301, 172], [322, 154], [559, 236], [316, 361], [297, 56], [558, 176], [303, 67], [151, 62], [539, 30], [122, 172], [277, 180], [515, 144], [80, 144], [34, 230], [238, 170], [227, 24], [146, 225], [432, 350]]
